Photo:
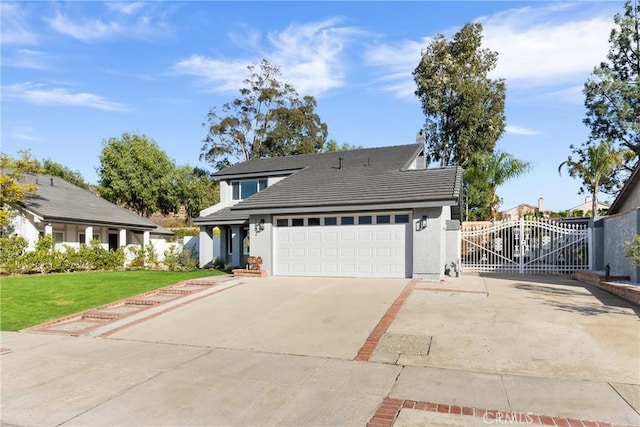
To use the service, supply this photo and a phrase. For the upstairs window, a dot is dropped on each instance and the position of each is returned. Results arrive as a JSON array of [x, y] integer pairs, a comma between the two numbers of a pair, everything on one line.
[[244, 189]]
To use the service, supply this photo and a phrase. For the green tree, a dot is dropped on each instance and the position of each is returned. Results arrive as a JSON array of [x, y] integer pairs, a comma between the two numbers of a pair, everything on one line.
[[49, 167], [333, 145], [485, 173], [612, 97], [268, 119], [135, 173], [194, 190], [13, 187], [599, 163], [464, 108]]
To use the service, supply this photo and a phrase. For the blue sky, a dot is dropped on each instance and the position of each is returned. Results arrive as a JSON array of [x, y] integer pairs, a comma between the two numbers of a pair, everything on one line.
[[77, 73]]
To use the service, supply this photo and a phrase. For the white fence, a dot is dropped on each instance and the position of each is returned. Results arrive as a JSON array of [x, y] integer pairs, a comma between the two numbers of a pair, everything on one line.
[[526, 246]]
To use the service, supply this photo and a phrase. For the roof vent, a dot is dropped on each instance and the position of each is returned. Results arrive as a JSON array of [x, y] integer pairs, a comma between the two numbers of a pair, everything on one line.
[[51, 181], [340, 163], [37, 183]]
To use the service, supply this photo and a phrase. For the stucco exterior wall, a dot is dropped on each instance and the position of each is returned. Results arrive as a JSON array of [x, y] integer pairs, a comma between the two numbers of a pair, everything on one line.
[[429, 244], [452, 246], [21, 226], [205, 255], [619, 229], [632, 201], [262, 241], [598, 245]]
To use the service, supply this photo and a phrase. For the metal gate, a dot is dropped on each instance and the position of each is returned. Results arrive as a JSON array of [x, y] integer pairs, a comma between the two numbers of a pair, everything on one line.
[[526, 246]]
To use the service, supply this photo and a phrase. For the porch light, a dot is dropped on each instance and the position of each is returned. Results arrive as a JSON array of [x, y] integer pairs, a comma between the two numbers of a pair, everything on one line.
[[421, 224], [260, 225]]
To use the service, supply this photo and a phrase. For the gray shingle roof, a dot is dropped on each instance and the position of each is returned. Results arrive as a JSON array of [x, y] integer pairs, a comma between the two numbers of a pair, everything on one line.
[[60, 201], [225, 215], [386, 157], [361, 177], [362, 185]]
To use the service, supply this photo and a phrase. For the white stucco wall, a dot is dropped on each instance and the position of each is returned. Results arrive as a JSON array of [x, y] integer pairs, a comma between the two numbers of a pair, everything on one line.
[[262, 241], [619, 229], [429, 244]]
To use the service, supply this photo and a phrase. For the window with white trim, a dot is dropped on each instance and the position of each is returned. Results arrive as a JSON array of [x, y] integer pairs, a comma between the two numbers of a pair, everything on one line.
[[241, 190]]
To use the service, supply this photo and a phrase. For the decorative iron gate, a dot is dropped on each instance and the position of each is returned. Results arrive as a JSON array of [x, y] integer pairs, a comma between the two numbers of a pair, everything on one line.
[[526, 246]]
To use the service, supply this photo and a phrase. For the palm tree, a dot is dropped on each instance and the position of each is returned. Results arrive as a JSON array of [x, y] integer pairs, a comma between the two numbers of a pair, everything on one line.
[[492, 170], [601, 161]]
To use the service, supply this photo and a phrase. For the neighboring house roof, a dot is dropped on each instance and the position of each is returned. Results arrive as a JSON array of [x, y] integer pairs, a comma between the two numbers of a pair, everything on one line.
[[626, 190], [57, 200], [521, 206], [587, 205], [374, 176]]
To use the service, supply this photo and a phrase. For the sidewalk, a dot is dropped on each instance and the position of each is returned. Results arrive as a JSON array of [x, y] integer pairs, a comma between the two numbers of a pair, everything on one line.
[[327, 352]]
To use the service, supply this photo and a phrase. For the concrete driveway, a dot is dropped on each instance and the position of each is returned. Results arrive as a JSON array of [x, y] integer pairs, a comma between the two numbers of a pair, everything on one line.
[[280, 351]]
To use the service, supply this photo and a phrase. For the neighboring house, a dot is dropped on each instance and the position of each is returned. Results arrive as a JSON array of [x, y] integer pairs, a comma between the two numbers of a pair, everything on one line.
[[72, 216], [584, 209], [374, 212], [522, 210], [620, 225]]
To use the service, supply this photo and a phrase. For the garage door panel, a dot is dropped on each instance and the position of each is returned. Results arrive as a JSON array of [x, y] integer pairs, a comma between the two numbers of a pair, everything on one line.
[[350, 251], [365, 252], [347, 236], [365, 235], [298, 236]]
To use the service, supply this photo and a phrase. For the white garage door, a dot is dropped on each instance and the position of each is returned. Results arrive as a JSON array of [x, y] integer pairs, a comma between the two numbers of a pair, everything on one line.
[[347, 246]]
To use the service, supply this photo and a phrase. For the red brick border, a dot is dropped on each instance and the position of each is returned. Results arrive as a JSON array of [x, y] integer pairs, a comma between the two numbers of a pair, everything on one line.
[[102, 319], [173, 307], [388, 411], [373, 339], [459, 291]]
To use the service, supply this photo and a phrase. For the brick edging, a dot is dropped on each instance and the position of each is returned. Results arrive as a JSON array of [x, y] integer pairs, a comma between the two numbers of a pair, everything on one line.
[[42, 327], [390, 408], [173, 307], [373, 339]]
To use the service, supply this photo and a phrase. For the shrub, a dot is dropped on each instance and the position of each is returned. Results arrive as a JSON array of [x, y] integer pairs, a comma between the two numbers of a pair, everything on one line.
[[12, 250], [218, 264], [143, 257], [633, 250], [180, 260], [172, 258]]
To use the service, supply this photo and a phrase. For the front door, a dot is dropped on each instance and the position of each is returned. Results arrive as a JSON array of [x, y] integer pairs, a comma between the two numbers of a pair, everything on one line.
[[113, 242]]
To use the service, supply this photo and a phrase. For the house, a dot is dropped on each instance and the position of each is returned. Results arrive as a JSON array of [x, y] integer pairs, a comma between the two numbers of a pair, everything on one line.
[[522, 210], [73, 215], [621, 225], [584, 209], [376, 212]]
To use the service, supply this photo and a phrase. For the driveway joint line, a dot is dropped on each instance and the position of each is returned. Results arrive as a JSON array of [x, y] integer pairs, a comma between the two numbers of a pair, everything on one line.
[[623, 398]]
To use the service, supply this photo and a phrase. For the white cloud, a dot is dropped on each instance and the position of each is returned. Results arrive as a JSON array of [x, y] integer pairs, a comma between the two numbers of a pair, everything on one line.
[[309, 56], [124, 22], [38, 94], [223, 76], [85, 31], [125, 8], [26, 58], [397, 62], [24, 133], [520, 130], [13, 25], [537, 46]]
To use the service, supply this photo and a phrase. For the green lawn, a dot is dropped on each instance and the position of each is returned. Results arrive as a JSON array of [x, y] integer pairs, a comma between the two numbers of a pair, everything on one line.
[[29, 300]]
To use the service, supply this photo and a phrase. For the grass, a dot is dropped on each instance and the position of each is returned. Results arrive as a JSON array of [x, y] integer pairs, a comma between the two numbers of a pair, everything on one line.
[[30, 300]]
